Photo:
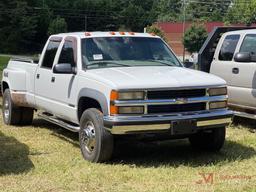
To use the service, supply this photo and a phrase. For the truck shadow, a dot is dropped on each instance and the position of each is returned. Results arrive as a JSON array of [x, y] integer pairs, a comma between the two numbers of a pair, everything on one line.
[[166, 153], [245, 122], [13, 156], [179, 152]]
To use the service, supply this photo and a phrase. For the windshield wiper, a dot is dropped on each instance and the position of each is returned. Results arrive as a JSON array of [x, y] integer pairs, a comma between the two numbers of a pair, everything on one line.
[[158, 61], [107, 62]]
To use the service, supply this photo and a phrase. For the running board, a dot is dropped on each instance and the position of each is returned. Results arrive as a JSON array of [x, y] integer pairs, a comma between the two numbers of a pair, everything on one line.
[[52, 119], [246, 115]]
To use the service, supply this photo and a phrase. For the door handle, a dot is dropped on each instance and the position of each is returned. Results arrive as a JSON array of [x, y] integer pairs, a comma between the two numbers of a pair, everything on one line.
[[37, 76], [53, 79], [235, 70]]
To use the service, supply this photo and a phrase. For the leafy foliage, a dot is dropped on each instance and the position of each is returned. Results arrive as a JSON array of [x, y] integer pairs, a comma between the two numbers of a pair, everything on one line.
[[169, 10], [17, 26], [57, 25], [242, 11], [26, 24], [207, 10], [156, 30], [194, 38]]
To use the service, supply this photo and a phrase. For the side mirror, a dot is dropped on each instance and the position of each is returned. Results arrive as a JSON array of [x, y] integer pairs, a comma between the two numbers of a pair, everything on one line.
[[189, 64], [243, 57], [63, 68]]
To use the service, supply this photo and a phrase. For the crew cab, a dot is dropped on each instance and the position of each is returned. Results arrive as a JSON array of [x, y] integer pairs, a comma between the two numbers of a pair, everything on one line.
[[234, 59], [107, 84]]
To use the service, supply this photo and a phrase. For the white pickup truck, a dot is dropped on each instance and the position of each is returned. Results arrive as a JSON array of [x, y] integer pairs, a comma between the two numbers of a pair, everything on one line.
[[105, 84], [232, 56]]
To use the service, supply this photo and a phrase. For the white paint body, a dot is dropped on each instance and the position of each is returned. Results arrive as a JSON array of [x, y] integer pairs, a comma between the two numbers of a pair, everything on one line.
[[61, 98]]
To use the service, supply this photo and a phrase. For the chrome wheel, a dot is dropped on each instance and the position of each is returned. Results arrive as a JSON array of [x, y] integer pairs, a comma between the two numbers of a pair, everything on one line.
[[88, 137], [6, 109]]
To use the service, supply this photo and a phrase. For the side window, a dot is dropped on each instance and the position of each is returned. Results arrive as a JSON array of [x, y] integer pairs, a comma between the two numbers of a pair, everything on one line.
[[228, 47], [249, 44], [67, 54], [50, 54]]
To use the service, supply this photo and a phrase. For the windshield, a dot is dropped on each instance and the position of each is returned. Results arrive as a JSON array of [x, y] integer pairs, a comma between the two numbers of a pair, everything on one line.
[[102, 52]]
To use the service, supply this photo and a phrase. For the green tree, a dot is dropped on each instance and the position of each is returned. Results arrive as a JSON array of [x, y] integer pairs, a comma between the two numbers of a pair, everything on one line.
[[57, 25], [156, 30], [241, 11], [18, 26], [206, 10], [168, 10], [194, 38]]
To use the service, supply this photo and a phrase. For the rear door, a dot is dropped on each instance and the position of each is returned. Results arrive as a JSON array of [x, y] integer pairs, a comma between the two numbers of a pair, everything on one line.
[[222, 63], [43, 83], [243, 83]]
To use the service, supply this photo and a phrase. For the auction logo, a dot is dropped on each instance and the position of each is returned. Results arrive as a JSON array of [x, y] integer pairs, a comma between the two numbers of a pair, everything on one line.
[[207, 178]]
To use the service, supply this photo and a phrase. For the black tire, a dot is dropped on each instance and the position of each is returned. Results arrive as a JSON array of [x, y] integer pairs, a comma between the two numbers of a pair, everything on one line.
[[27, 115], [16, 115], [99, 147], [210, 140], [11, 113]]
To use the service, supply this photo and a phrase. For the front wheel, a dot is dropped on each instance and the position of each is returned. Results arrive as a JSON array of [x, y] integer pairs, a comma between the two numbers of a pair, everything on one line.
[[211, 140], [96, 143]]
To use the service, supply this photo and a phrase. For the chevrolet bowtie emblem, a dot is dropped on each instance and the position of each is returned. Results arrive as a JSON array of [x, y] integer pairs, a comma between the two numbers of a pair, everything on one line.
[[181, 100]]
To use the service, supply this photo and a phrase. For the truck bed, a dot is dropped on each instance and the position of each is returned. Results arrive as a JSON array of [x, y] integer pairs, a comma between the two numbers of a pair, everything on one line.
[[21, 72]]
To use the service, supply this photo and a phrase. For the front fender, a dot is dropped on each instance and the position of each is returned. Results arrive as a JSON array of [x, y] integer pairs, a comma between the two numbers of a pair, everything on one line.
[[96, 95]]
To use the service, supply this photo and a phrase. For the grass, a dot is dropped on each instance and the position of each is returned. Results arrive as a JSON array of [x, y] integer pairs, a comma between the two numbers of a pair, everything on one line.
[[45, 157], [3, 62]]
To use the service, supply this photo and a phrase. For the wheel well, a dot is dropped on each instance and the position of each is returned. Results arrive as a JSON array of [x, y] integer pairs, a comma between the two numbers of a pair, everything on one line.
[[86, 103], [5, 86]]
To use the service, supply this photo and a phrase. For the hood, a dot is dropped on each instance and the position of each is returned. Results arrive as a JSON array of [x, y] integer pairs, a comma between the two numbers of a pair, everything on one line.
[[153, 77]]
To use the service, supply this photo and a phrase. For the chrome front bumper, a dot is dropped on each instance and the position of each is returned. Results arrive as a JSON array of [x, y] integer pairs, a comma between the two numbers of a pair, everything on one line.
[[154, 123]]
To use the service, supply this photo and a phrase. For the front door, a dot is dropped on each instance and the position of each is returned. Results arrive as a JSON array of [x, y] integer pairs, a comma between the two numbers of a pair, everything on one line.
[[244, 75], [64, 86]]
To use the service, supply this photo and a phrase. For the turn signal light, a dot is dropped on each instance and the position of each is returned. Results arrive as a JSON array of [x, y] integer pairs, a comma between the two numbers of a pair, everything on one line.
[[87, 34]]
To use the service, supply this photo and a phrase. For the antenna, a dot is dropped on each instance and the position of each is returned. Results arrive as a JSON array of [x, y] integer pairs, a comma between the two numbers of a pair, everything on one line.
[[85, 22]]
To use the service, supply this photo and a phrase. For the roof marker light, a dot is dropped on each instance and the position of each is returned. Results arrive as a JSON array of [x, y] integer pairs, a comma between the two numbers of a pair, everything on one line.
[[131, 33], [122, 33], [153, 34], [87, 34], [112, 33]]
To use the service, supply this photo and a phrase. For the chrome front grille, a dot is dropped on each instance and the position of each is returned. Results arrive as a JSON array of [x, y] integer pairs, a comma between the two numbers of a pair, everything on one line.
[[171, 94], [172, 101], [176, 108], [180, 96]]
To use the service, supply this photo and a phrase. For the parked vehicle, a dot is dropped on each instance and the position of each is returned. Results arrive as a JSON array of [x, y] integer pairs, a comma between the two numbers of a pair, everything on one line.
[[106, 84], [234, 59]]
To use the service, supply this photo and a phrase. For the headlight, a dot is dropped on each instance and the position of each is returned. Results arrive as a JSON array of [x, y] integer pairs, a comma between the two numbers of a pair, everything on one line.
[[217, 91], [217, 104], [138, 95], [127, 95]]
